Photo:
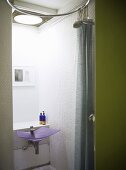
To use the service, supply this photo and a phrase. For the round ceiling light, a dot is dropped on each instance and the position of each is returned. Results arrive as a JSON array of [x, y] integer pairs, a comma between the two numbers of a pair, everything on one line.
[[28, 19]]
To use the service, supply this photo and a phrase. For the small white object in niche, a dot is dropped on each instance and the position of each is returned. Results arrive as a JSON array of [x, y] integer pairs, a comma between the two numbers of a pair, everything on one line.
[[23, 76]]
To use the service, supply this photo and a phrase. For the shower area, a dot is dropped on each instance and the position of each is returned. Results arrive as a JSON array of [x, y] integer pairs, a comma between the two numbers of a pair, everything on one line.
[[59, 56]]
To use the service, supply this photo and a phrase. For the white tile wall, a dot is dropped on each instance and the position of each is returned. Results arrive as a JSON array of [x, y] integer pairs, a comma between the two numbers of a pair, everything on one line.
[[27, 158], [57, 64]]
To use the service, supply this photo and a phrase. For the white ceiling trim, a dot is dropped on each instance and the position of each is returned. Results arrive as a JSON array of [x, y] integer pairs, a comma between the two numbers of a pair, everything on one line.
[[54, 4], [35, 8]]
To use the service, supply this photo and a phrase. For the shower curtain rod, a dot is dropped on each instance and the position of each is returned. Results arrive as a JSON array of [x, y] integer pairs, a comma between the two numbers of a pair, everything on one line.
[[23, 11]]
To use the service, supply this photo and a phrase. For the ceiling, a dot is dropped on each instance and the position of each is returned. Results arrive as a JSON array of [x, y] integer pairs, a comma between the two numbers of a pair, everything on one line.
[[45, 6], [54, 4]]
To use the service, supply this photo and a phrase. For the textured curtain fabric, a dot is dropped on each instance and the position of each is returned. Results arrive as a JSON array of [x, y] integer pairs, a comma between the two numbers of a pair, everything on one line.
[[84, 147]]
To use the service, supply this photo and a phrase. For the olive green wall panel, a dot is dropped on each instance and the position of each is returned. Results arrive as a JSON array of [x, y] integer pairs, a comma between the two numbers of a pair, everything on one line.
[[110, 85], [6, 125]]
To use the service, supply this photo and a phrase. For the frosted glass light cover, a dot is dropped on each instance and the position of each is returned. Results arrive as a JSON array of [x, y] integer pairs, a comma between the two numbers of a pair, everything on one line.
[[28, 19]]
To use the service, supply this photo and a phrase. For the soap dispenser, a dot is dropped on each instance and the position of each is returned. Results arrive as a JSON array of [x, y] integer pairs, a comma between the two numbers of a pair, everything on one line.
[[42, 118]]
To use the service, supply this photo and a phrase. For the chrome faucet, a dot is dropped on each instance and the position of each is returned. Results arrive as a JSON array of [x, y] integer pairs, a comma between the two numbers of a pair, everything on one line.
[[32, 129]]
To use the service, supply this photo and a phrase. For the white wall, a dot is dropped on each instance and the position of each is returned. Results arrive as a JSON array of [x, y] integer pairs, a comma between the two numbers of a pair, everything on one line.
[[53, 53], [57, 88], [25, 51]]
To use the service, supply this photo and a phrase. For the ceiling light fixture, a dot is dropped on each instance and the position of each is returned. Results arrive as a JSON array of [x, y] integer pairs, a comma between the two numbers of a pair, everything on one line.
[[28, 19]]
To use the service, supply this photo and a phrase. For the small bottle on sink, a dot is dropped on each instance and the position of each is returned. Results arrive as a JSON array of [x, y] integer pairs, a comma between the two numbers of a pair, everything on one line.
[[42, 118]]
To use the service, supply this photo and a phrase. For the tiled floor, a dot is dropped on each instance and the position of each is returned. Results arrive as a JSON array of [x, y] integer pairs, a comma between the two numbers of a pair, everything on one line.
[[45, 168]]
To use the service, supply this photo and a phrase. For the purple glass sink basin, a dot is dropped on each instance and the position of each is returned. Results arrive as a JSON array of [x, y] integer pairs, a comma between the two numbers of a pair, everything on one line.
[[37, 135]]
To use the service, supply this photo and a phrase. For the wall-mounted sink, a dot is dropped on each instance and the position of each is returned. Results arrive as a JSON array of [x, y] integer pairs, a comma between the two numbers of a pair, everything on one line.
[[33, 136]]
